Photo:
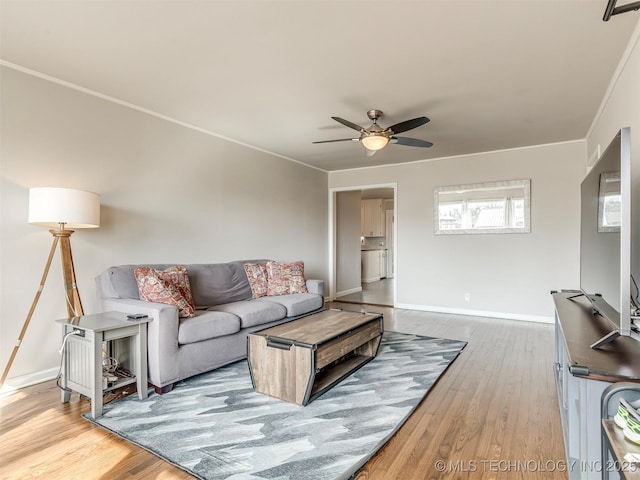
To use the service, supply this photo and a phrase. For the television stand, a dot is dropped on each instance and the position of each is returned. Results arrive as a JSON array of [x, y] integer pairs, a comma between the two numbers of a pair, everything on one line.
[[609, 337], [582, 375]]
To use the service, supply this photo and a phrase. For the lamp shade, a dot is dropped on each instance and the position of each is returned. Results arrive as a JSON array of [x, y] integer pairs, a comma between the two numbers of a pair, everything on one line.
[[375, 141], [49, 207]]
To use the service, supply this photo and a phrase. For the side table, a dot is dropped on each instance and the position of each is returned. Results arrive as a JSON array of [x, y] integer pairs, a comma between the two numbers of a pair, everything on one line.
[[82, 369]]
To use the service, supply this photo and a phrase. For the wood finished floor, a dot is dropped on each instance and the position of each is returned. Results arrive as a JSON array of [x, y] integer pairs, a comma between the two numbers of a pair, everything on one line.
[[492, 415], [375, 293]]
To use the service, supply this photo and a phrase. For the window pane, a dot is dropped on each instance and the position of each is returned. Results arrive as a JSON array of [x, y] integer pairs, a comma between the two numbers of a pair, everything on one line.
[[517, 205], [611, 210], [450, 216], [487, 213], [609, 202]]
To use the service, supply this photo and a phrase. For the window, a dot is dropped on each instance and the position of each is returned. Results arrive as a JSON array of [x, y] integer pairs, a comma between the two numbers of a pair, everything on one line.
[[609, 202], [497, 207]]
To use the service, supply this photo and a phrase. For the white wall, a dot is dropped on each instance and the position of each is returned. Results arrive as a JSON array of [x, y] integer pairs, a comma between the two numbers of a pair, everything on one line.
[[506, 275], [169, 194], [348, 256], [621, 108]]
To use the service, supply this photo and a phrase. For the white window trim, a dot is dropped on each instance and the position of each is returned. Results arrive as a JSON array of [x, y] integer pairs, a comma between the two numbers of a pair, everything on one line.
[[525, 184]]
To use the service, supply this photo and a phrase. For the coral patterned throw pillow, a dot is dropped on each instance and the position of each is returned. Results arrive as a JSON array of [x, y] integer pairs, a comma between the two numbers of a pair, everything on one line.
[[285, 278], [170, 286], [257, 276]]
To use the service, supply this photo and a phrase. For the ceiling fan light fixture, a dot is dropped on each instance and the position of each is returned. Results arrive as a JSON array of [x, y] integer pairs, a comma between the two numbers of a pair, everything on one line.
[[375, 137], [369, 153], [375, 141]]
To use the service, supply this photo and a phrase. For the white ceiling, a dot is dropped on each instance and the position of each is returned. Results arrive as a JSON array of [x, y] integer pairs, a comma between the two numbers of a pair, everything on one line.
[[489, 74]]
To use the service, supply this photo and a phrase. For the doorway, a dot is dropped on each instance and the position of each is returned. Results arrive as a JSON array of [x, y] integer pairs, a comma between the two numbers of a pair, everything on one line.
[[363, 253]]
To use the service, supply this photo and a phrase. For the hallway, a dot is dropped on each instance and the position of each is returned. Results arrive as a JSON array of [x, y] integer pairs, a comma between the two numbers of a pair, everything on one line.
[[373, 293]]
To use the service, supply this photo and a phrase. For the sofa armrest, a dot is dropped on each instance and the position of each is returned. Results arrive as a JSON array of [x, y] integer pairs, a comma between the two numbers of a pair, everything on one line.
[[316, 286], [162, 336]]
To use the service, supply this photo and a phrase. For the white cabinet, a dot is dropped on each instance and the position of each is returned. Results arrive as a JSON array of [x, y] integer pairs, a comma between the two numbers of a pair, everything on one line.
[[374, 265], [372, 220], [383, 264], [370, 266]]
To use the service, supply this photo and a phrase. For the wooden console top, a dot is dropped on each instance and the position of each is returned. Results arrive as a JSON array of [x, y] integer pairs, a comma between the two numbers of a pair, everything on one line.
[[618, 360], [318, 328]]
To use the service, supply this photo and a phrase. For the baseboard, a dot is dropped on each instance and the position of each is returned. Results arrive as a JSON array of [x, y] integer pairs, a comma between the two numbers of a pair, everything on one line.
[[477, 313], [16, 383], [349, 292], [371, 280]]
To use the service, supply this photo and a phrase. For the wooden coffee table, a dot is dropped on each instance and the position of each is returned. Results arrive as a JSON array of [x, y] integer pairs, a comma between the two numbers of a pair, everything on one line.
[[299, 360]]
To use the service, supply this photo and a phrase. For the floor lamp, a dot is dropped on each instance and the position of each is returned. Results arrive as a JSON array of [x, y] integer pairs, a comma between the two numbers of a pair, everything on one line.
[[63, 208]]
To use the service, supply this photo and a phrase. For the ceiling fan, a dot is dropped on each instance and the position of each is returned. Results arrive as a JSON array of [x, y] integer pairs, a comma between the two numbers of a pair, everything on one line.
[[375, 137]]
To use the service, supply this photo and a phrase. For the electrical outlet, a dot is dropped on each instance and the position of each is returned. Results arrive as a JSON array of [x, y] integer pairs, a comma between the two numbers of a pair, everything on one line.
[[467, 297]]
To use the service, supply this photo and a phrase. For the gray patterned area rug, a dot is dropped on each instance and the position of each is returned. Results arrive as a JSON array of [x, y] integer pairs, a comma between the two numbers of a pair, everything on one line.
[[214, 426]]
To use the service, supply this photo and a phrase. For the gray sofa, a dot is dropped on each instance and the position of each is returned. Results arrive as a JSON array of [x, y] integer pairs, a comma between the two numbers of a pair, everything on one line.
[[225, 313]]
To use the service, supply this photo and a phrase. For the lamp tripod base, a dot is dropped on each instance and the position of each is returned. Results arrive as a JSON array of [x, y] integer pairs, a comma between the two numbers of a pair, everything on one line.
[[72, 296], [73, 302]]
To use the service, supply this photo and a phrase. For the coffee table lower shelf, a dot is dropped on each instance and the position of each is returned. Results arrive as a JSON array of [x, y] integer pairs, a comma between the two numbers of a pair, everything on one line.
[[298, 372], [327, 378]]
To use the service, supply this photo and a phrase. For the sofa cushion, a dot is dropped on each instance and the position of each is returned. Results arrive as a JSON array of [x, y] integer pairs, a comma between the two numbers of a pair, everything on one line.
[[206, 325], [123, 280], [154, 286], [296, 304], [211, 284], [253, 313], [285, 278], [219, 283], [257, 277]]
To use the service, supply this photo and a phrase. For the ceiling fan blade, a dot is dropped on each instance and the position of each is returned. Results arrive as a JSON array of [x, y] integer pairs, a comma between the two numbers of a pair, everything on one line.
[[349, 124], [407, 125], [411, 142], [339, 140]]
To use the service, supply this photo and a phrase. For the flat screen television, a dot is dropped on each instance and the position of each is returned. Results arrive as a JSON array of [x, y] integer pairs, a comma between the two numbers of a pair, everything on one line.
[[606, 237]]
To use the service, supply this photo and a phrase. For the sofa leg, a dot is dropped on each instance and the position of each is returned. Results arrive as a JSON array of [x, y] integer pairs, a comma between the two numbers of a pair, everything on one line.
[[165, 389]]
